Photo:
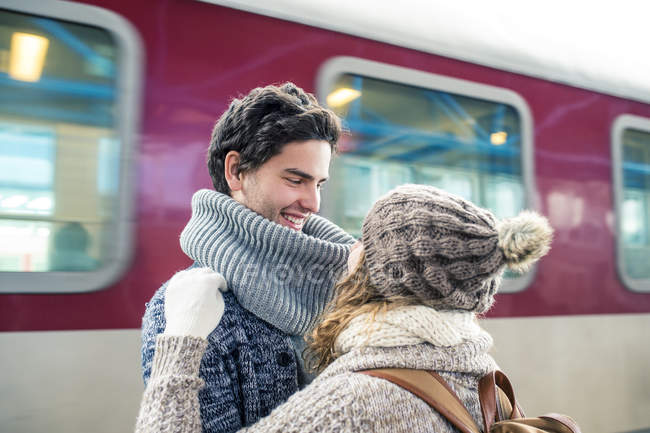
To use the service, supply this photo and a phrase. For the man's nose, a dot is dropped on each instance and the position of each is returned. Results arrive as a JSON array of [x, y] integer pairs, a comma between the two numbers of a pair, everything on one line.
[[310, 199]]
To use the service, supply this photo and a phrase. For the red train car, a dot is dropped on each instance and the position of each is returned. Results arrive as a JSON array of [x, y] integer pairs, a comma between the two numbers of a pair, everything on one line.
[[105, 115]]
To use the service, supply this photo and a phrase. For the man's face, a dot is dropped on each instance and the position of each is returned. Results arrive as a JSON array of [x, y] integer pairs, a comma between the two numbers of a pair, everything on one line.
[[286, 189]]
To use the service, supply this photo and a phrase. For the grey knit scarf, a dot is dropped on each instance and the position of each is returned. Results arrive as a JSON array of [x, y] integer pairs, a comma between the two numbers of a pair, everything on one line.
[[282, 276]]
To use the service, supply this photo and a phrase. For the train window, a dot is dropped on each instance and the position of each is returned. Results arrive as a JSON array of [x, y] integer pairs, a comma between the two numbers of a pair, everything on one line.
[[631, 174], [68, 93], [407, 126]]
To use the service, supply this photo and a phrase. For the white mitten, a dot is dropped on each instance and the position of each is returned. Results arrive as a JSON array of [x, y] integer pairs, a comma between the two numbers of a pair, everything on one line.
[[193, 302]]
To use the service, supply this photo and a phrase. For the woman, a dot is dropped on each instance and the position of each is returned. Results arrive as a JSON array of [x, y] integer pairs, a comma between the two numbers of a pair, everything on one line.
[[428, 263]]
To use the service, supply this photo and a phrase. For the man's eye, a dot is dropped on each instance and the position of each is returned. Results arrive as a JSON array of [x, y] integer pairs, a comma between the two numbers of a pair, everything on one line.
[[294, 181]]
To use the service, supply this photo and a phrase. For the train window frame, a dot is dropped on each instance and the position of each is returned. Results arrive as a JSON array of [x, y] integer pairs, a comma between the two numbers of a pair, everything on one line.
[[622, 123], [128, 87], [334, 67]]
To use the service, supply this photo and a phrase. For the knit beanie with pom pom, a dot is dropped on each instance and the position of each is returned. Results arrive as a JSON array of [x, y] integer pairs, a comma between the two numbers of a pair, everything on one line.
[[450, 254]]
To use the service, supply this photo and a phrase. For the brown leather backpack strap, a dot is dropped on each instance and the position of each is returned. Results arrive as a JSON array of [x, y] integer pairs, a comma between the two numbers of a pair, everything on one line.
[[566, 421], [496, 392], [504, 387], [487, 397], [434, 390]]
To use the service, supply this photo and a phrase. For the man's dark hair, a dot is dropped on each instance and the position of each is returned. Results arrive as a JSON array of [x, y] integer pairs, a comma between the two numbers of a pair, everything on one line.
[[261, 123]]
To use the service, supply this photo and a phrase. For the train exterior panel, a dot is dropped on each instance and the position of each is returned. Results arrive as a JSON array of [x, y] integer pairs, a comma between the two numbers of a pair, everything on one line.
[[573, 335]]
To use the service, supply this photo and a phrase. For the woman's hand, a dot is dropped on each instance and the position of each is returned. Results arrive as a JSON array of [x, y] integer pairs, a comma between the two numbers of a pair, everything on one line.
[[193, 302]]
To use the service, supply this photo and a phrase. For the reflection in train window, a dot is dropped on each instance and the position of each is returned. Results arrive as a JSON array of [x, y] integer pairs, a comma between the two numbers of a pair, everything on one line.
[[632, 162], [60, 146], [401, 133]]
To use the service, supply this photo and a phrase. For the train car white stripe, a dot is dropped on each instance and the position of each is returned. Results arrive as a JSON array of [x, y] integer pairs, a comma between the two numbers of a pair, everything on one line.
[[593, 368], [70, 381]]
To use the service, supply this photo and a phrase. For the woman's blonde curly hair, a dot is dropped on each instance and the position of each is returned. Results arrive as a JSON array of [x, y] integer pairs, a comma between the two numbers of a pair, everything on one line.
[[354, 296]]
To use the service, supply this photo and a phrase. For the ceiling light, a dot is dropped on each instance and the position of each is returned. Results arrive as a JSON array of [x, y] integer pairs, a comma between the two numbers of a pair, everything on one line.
[[27, 56], [342, 96], [498, 138]]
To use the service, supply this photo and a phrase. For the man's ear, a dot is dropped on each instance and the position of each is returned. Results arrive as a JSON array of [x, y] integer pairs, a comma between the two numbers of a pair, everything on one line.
[[231, 170]]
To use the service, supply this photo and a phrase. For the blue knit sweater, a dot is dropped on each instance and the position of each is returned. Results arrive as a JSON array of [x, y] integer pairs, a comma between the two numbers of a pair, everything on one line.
[[250, 367], [252, 363]]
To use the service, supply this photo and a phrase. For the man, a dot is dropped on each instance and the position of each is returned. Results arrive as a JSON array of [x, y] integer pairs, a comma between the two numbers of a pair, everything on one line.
[[269, 156]]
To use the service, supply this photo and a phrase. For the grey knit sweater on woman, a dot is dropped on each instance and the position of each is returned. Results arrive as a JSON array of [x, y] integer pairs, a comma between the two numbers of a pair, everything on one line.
[[341, 400]]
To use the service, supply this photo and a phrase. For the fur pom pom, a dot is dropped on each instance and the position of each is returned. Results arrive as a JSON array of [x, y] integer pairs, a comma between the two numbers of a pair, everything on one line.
[[524, 239]]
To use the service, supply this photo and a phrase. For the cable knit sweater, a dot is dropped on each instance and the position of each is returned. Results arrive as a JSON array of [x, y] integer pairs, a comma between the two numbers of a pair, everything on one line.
[[341, 400]]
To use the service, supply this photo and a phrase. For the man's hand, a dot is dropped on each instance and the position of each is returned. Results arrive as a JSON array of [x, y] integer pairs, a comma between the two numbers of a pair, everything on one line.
[[193, 302]]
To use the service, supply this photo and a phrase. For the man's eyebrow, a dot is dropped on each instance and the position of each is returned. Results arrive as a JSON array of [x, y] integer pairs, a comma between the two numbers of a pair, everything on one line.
[[302, 174]]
